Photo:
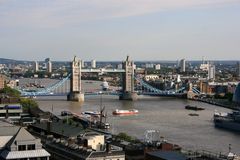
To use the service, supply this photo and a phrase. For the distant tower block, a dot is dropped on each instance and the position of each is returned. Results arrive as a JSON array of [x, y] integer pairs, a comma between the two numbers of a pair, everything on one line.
[[93, 63], [35, 66], [75, 82], [182, 65], [48, 65], [128, 81]]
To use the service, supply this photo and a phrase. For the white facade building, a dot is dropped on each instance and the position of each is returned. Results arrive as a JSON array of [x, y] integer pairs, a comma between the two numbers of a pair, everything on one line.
[[211, 72], [93, 63], [204, 66], [157, 67], [152, 77], [16, 143], [48, 65], [182, 65], [35, 66]]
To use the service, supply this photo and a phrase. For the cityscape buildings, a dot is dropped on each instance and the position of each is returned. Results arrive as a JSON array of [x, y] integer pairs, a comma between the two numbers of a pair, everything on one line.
[[133, 80], [149, 65], [204, 66], [54, 108]]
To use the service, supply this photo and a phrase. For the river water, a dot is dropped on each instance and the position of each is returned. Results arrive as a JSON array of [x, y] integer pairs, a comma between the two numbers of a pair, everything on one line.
[[166, 115]]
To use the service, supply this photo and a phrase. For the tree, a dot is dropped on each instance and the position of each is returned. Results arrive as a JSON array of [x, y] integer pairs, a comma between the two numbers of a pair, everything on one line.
[[229, 96], [10, 92], [28, 74], [28, 103], [125, 137]]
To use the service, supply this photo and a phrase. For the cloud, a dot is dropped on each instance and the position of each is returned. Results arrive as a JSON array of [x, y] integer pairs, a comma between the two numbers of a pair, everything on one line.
[[55, 13]]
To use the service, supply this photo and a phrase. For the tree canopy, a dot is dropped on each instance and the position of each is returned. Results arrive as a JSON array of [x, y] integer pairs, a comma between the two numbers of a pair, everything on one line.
[[10, 92]]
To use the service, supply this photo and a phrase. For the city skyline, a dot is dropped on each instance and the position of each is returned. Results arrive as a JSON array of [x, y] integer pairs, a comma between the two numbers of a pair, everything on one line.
[[111, 30]]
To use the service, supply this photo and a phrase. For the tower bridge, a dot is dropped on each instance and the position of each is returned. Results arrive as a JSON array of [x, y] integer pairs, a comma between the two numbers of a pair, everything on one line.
[[76, 92], [128, 80]]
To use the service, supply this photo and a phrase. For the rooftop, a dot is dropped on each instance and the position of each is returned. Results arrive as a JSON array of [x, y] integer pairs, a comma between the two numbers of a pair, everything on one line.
[[168, 155], [60, 128], [24, 154]]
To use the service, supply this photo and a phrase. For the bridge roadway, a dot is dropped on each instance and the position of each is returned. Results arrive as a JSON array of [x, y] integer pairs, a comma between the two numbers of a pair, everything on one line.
[[100, 70], [114, 93]]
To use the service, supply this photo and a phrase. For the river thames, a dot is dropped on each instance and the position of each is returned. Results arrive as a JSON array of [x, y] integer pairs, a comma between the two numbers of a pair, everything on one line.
[[167, 115]]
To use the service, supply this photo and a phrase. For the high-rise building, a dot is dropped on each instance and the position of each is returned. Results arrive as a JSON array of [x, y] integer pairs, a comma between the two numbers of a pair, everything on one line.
[[182, 65], [211, 72], [93, 63], [238, 69], [35, 66], [48, 65], [82, 62], [157, 67]]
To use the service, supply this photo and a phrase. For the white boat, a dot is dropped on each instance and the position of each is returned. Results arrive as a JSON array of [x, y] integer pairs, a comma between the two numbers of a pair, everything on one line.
[[91, 113], [125, 112]]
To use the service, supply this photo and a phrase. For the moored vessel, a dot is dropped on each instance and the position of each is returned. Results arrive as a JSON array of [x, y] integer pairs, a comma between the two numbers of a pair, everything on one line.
[[229, 121], [91, 113], [193, 114], [125, 112], [195, 108], [66, 113]]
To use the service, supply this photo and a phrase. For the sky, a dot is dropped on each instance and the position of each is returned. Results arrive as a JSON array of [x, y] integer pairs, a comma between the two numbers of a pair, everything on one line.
[[108, 30]]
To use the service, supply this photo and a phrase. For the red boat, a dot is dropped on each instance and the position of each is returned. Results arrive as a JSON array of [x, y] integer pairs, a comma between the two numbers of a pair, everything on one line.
[[125, 112]]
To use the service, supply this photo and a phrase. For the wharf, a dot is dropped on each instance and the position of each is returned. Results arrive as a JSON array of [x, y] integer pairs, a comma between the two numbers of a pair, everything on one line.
[[207, 155], [217, 103]]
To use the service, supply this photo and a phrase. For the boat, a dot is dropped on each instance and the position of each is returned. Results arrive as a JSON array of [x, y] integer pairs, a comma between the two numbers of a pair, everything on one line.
[[66, 113], [193, 114], [87, 120], [229, 121], [91, 113], [195, 108], [125, 112]]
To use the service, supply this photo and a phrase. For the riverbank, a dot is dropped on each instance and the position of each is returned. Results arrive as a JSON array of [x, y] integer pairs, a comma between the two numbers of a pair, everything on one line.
[[218, 102], [168, 115]]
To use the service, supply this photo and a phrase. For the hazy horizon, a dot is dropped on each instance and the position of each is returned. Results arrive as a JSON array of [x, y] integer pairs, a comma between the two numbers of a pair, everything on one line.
[[107, 30], [187, 60]]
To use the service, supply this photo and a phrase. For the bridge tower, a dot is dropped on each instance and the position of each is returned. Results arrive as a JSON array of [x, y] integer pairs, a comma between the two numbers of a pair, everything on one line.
[[190, 93], [75, 82], [128, 81]]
